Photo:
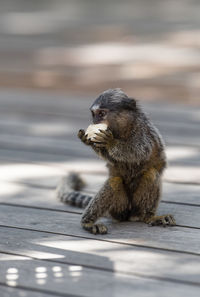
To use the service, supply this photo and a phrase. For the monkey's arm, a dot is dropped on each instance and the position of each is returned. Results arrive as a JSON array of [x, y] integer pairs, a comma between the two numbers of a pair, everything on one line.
[[111, 196], [101, 151], [134, 149]]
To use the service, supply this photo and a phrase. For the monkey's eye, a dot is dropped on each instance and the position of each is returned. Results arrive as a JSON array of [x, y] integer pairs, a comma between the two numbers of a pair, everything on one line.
[[102, 113]]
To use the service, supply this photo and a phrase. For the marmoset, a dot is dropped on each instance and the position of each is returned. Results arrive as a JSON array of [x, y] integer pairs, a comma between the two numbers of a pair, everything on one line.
[[135, 155]]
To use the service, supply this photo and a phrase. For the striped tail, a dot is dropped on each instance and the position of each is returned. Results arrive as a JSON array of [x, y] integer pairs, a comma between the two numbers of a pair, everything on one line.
[[68, 191]]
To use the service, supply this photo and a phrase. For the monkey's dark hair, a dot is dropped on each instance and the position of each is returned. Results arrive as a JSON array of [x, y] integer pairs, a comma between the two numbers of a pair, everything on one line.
[[115, 99]]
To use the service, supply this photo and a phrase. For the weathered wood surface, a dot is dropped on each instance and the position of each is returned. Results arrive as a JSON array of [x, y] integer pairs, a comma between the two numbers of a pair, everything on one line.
[[21, 292], [70, 280], [102, 254], [38, 145], [185, 212], [42, 116], [128, 232], [41, 192]]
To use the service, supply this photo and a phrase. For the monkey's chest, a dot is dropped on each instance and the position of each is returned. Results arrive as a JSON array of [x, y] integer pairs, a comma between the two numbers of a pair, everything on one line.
[[128, 172]]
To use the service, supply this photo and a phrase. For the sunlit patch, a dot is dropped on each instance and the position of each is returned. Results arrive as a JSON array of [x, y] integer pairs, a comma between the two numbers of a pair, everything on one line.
[[58, 274], [41, 281], [7, 188], [42, 255], [72, 245], [119, 53], [11, 283], [12, 270], [75, 268], [41, 275], [12, 258], [75, 273], [17, 171], [12, 276], [182, 174], [40, 269], [177, 152], [56, 268], [50, 129]]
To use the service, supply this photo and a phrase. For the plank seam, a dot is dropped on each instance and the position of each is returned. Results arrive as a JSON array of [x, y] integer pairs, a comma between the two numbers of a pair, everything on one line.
[[140, 275], [40, 208], [76, 213], [100, 239]]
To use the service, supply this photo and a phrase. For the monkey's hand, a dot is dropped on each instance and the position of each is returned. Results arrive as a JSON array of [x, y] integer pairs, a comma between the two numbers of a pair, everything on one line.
[[104, 139], [83, 137]]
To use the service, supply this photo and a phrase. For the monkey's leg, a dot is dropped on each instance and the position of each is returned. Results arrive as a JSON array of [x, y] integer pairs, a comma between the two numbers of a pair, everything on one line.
[[147, 197], [112, 195]]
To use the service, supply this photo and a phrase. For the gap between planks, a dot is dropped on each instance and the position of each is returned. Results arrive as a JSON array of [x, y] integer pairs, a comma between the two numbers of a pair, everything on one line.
[[125, 232], [104, 240], [80, 213], [139, 275]]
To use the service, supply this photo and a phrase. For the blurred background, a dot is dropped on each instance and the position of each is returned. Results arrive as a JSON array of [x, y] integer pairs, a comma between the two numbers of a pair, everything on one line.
[[57, 56], [151, 49]]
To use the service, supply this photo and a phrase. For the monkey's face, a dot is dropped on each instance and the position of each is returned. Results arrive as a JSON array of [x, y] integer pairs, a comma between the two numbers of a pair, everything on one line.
[[105, 105], [99, 115], [114, 108]]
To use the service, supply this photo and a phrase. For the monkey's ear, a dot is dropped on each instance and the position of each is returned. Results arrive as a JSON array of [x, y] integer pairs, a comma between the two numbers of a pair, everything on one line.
[[130, 103]]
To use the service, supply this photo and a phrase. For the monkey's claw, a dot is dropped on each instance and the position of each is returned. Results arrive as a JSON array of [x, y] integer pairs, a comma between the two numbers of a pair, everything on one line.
[[83, 137]]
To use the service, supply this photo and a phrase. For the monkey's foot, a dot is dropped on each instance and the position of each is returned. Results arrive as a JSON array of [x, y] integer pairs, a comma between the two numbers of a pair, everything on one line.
[[164, 220], [95, 228]]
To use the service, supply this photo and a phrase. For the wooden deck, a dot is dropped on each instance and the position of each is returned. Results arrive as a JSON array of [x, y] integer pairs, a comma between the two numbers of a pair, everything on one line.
[[44, 251]]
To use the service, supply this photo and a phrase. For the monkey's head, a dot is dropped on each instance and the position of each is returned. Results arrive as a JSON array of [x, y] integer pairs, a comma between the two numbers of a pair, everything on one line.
[[114, 108]]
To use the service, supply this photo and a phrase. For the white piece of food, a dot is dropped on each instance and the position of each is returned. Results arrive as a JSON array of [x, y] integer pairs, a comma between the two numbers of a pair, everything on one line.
[[92, 129]]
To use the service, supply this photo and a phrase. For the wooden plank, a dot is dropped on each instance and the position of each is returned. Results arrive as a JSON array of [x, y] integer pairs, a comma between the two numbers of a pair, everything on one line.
[[22, 101], [23, 109], [70, 160], [15, 194], [30, 157], [186, 215], [140, 234], [76, 280], [184, 162], [181, 193], [42, 102], [41, 189], [101, 255], [57, 125], [7, 291], [183, 174]]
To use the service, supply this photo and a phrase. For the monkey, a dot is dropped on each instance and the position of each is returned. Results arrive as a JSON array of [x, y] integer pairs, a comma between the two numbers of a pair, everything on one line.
[[134, 152]]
